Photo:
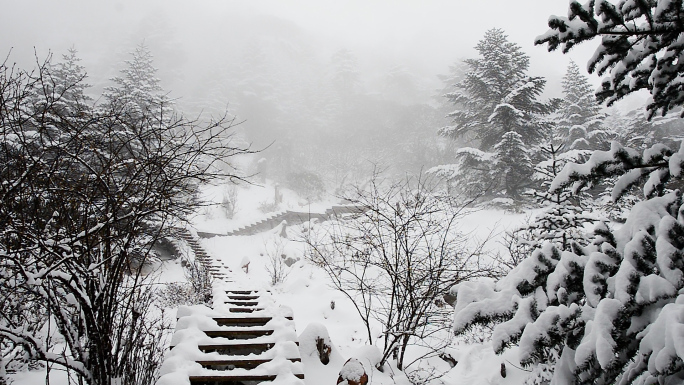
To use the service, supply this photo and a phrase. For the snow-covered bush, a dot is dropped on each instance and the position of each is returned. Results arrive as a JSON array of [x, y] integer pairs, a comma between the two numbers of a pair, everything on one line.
[[609, 312], [174, 294], [306, 184], [315, 340], [196, 290]]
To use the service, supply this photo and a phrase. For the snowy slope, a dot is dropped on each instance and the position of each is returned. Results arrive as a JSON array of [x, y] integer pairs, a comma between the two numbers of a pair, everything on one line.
[[318, 309]]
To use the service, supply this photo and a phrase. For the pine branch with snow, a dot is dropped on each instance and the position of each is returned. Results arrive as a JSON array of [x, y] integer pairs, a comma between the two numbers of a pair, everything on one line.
[[653, 168], [603, 312], [640, 47]]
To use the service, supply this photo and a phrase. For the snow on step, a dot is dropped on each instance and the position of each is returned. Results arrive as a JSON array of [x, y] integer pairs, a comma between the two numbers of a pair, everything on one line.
[[230, 364], [273, 220], [201, 255], [218, 345]]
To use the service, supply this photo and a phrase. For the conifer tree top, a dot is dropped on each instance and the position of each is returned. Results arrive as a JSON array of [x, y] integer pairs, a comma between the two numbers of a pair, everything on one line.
[[502, 62], [497, 96], [137, 89]]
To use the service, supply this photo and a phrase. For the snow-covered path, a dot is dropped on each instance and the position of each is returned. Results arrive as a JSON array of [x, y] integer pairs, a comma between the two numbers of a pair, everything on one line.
[[244, 336]]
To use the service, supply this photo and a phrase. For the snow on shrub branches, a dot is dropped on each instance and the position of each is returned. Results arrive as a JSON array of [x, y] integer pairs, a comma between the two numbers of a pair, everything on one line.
[[609, 312]]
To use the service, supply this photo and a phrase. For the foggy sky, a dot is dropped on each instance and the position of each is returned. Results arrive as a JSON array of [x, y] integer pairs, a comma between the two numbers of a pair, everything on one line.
[[425, 36]]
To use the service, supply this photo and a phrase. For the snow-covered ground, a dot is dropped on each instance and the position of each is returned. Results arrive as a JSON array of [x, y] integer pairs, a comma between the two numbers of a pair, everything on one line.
[[318, 308], [307, 291]]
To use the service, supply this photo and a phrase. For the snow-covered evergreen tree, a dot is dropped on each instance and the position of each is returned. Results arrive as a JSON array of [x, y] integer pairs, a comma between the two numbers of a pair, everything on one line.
[[137, 91], [62, 93], [450, 82], [581, 118], [564, 215], [504, 172], [611, 312], [496, 107], [513, 165], [68, 76], [497, 96], [636, 130], [400, 85], [471, 176], [345, 75]]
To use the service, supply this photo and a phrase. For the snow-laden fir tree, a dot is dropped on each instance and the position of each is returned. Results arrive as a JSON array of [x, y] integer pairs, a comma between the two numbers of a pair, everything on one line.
[[345, 74], [611, 312], [497, 96], [636, 130], [62, 95], [513, 165], [450, 82], [137, 92], [493, 98], [68, 78], [471, 175], [581, 118], [564, 215]]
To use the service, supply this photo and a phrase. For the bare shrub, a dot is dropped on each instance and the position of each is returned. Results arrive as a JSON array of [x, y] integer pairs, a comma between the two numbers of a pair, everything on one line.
[[268, 207], [86, 193], [276, 267], [229, 200], [397, 259], [196, 290]]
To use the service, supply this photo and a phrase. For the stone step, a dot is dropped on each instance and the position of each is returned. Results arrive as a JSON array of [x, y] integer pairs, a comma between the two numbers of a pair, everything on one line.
[[242, 292], [243, 334], [235, 380], [244, 321], [245, 309], [243, 303], [238, 364], [244, 296], [242, 349]]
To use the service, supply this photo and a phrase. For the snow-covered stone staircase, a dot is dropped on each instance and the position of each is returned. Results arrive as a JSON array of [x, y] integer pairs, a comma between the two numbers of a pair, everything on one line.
[[291, 217], [245, 338], [216, 270]]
